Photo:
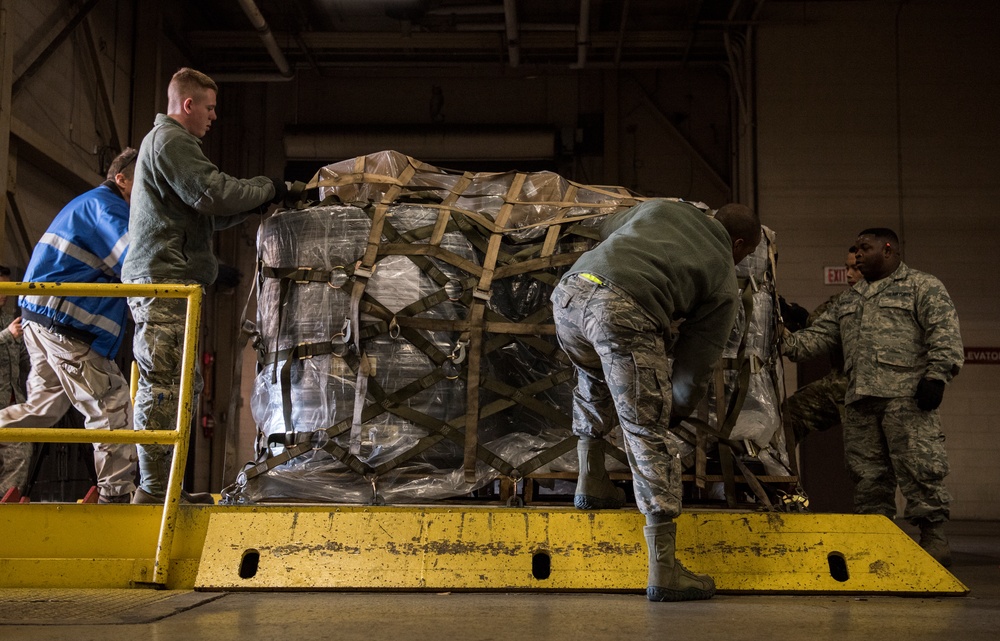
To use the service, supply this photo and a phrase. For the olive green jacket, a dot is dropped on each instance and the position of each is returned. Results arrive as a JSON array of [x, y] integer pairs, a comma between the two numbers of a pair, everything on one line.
[[677, 263], [179, 199]]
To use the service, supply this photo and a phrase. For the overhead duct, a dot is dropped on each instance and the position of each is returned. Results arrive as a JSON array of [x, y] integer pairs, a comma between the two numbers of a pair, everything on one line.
[[439, 144], [264, 31], [510, 21], [582, 36]]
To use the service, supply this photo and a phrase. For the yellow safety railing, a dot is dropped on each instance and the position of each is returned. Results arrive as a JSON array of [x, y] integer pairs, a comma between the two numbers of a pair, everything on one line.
[[178, 437]]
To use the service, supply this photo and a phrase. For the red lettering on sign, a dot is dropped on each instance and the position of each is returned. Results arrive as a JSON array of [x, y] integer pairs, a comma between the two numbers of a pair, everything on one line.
[[835, 275]]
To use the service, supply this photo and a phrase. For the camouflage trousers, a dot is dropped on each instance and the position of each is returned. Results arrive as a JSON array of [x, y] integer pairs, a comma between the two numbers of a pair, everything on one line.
[[15, 462], [621, 364], [157, 348], [818, 406], [890, 441]]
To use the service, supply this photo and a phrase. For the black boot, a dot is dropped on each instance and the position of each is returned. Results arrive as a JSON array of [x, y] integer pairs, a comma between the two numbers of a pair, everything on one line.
[[594, 489], [934, 542], [669, 580]]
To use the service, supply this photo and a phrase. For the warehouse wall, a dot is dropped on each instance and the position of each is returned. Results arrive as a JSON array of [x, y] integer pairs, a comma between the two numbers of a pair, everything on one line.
[[62, 133], [668, 134], [883, 114]]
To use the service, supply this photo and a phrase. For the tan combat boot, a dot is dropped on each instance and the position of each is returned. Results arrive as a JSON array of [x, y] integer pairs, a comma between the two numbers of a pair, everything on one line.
[[594, 489], [934, 542], [669, 580]]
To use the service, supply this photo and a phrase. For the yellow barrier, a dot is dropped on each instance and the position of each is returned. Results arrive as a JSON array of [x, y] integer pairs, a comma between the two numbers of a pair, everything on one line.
[[178, 437]]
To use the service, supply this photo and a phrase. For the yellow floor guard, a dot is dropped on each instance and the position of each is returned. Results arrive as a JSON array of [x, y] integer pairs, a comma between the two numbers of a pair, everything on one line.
[[457, 548]]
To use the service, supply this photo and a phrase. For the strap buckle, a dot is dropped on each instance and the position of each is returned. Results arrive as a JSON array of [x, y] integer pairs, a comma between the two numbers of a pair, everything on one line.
[[360, 271]]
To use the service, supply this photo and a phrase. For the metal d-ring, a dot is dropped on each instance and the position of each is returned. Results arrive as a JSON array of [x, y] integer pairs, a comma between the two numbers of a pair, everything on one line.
[[339, 348], [454, 289], [319, 439], [338, 276], [514, 500], [458, 354], [376, 500]]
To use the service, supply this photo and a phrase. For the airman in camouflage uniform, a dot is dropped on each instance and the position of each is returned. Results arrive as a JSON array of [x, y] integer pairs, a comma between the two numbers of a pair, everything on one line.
[[14, 457], [819, 405], [180, 200], [900, 336], [658, 262]]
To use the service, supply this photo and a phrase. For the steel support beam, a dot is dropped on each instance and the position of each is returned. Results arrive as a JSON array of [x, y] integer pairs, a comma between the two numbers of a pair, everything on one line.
[[714, 177], [36, 148], [104, 90], [6, 79], [53, 44]]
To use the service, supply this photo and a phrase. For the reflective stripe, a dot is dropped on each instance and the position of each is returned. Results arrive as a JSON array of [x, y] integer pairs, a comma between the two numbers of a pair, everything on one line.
[[115, 256], [591, 278], [77, 313], [79, 253]]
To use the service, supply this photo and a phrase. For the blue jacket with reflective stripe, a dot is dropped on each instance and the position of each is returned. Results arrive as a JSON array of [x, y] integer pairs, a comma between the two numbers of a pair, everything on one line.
[[86, 243]]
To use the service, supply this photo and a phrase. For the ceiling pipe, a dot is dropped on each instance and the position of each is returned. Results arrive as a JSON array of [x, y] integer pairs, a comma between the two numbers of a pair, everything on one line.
[[524, 26], [469, 10], [264, 31], [582, 36], [621, 35], [510, 20], [249, 76]]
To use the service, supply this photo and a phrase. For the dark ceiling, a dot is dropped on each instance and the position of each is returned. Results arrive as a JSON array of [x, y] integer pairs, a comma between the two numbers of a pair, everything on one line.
[[323, 35]]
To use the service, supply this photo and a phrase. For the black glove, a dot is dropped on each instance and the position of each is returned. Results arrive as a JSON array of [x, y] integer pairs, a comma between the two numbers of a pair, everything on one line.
[[930, 391], [280, 191], [795, 316]]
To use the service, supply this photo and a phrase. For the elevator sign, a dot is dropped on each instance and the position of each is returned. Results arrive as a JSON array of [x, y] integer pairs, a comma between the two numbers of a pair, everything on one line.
[[835, 275], [982, 355]]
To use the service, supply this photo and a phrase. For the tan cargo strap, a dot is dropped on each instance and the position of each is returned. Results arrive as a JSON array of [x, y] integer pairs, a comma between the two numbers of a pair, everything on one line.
[[475, 334], [362, 273], [728, 454]]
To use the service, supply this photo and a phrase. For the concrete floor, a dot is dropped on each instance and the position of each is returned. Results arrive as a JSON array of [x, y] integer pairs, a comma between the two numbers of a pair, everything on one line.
[[266, 616]]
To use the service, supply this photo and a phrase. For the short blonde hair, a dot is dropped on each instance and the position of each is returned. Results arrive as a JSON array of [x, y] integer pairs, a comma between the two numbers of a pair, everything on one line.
[[186, 82]]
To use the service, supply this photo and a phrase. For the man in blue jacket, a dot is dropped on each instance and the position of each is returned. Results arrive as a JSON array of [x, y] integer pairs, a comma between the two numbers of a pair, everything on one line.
[[72, 341]]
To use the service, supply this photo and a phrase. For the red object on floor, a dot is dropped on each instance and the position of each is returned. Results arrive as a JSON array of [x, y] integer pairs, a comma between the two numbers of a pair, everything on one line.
[[11, 496], [91, 496]]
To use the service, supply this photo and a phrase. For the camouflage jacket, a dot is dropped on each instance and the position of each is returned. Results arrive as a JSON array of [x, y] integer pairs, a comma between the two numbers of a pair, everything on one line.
[[10, 362], [893, 332], [836, 353]]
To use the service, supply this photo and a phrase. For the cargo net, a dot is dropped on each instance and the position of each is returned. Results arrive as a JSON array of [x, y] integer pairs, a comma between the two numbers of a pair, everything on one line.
[[406, 350]]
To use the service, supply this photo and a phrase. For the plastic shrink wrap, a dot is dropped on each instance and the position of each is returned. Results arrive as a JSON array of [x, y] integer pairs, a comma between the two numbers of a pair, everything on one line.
[[438, 229]]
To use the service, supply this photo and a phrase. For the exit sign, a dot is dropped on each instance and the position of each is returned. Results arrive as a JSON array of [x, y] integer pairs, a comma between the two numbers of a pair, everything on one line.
[[835, 275]]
